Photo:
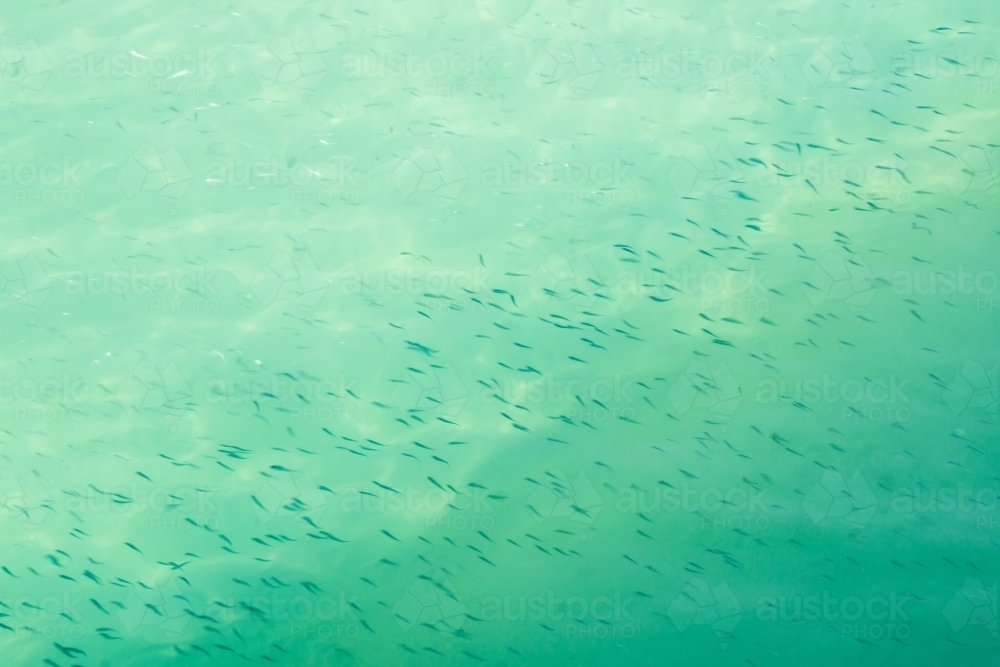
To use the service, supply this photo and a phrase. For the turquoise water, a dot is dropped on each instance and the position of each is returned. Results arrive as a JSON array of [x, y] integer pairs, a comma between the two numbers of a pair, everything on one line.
[[499, 332]]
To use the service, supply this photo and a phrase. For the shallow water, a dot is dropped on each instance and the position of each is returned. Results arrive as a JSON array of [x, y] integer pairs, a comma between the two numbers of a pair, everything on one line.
[[507, 332]]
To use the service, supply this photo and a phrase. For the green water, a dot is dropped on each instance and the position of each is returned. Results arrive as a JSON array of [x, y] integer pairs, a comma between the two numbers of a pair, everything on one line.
[[500, 332]]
